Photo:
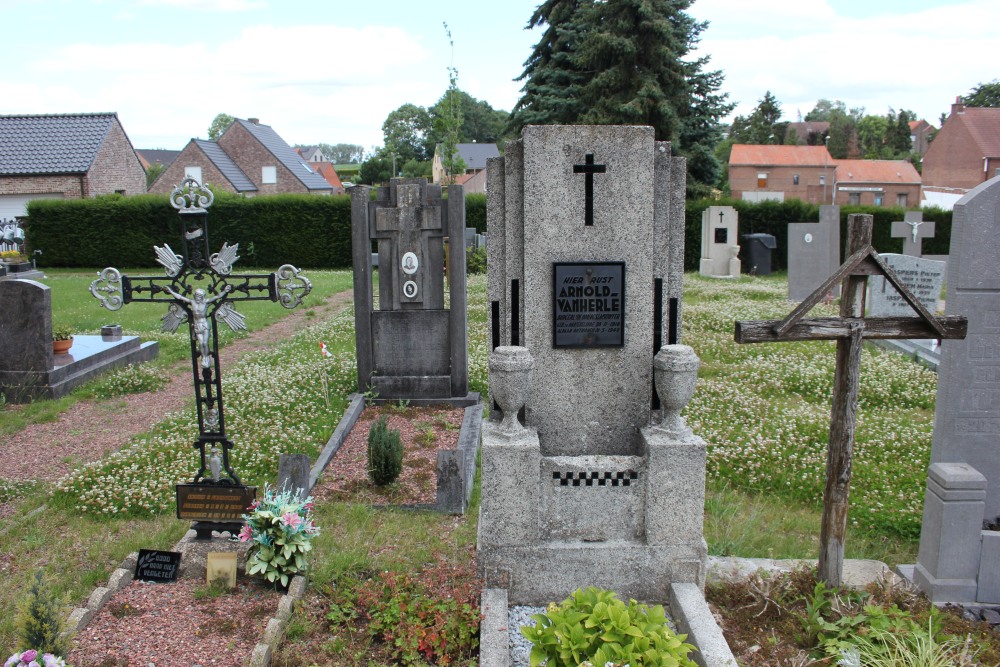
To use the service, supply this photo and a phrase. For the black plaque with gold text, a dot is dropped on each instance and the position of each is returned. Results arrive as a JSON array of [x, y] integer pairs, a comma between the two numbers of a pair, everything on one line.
[[214, 503], [588, 304]]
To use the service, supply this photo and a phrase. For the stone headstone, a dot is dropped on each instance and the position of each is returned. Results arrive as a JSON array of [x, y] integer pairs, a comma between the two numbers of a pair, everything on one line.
[[913, 229], [25, 332], [409, 346], [813, 253], [719, 242], [923, 277], [585, 268], [967, 410], [293, 473]]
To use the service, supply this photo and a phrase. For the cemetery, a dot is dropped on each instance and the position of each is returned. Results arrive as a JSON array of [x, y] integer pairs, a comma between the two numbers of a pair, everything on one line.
[[583, 415]]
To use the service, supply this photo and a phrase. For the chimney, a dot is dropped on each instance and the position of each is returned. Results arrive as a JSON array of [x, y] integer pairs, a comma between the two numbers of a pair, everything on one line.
[[256, 121], [958, 107]]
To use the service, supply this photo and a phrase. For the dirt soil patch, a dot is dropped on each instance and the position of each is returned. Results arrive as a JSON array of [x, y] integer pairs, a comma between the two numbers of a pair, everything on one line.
[[423, 430]]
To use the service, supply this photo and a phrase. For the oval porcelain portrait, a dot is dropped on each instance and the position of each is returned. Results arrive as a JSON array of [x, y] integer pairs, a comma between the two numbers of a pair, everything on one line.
[[410, 264], [409, 289]]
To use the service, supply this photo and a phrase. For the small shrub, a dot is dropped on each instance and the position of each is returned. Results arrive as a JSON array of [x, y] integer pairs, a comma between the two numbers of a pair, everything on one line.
[[39, 620], [62, 332], [385, 453], [475, 262], [594, 625]]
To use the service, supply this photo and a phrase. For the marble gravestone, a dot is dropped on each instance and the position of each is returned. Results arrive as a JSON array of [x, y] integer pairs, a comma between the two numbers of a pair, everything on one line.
[[719, 242], [923, 277], [959, 561], [601, 485], [409, 346], [813, 253]]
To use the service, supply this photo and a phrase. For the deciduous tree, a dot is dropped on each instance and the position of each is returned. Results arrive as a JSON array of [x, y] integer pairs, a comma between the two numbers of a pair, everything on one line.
[[219, 125], [984, 95]]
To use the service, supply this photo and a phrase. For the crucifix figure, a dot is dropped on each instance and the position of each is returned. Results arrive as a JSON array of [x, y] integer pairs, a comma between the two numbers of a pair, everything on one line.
[[200, 287], [589, 169], [849, 330], [913, 229]]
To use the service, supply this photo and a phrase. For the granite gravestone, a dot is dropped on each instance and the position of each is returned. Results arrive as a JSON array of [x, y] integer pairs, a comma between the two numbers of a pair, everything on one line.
[[958, 560], [813, 253], [584, 281], [923, 277], [719, 242], [410, 347], [913, 229]]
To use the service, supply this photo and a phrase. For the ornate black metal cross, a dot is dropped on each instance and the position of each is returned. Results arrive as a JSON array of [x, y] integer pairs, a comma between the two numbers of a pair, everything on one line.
[[200, 288], [589, 169]]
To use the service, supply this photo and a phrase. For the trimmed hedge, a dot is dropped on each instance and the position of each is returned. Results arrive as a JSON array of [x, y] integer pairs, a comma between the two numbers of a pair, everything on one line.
[[771, 217]]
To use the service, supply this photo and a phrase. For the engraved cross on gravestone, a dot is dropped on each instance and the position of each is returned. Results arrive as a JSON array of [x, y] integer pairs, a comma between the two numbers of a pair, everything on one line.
[[588, 168], [913, 229]]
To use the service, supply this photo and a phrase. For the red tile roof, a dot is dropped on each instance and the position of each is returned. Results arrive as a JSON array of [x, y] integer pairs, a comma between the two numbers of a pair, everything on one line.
[[876, 171], [984, 125], [779, 156]]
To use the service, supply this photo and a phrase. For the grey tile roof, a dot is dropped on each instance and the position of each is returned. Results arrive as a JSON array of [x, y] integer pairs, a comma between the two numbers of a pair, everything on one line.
[[52, 144], [158, 155], [225, 164], [286, 155], [475, 155]]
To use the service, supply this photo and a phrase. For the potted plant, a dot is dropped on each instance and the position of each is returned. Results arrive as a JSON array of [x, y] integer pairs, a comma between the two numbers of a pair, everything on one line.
[[62, 339]]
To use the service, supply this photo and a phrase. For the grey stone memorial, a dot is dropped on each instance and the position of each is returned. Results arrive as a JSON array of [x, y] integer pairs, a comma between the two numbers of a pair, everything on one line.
[[813, 253], [28, 368], [913, 229], [959, 559], [602, 484], [719, 242], [409, 345], [923, 277]]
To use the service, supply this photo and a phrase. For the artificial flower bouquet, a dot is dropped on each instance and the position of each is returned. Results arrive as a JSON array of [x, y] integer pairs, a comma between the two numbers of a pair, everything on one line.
[[280, 530], [32, 658]]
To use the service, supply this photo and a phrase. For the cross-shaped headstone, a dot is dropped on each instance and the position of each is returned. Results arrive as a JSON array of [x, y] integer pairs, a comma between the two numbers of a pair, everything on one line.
[[849, 330], [201, 288], [589, 169], [913, 229]]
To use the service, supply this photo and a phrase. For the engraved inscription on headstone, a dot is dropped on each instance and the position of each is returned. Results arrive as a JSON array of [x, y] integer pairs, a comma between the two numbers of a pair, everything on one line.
[[923, 277], [588, 304], [158, 566]]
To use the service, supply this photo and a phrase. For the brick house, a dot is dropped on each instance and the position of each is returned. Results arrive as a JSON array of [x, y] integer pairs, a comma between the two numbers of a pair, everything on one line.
[[70, 156], [249, 158], [877, 183], [326, 170], [758, 173], [965, 152], [474, 156], [921, 133]]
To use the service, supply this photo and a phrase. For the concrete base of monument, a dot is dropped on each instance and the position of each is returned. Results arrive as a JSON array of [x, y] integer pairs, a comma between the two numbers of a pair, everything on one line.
[[687, 609], [456, 468], [89, 357]]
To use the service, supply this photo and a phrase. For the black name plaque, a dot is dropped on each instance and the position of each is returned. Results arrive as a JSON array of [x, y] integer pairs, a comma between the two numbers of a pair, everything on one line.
[[218, 504], [588, 304], [158, 566]]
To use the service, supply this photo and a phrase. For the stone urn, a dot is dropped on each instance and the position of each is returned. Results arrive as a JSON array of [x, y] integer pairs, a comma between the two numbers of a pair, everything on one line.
[[510, 382], [675, 373]]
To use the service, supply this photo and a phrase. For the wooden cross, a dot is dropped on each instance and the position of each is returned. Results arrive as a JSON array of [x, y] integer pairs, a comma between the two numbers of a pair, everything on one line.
[[849, 330], [589, 169], [913, 229], [201, 288]]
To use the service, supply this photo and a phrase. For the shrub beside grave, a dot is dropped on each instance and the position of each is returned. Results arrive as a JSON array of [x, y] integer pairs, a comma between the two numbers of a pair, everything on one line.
[[385, 453]]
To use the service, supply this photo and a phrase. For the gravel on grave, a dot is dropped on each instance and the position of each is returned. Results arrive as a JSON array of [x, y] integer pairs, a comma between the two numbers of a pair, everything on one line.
[[165, 625]]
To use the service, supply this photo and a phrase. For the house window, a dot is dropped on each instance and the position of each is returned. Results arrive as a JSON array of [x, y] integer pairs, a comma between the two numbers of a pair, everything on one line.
[[268, 175], [119, 192], [854, 199], [901, 200], [822, 179], [795, 179], [762, 180], [879, 197], [193, 172]]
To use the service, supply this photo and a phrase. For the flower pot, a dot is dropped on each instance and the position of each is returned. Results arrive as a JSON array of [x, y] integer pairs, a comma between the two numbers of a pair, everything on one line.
[[62, 346]]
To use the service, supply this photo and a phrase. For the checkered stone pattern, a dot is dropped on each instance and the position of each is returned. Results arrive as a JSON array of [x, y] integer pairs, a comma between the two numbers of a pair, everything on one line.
[[595, 478]]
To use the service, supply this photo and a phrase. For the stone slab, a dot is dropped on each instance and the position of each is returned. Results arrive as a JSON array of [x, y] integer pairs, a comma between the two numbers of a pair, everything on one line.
[[293, 473], [989, 568], [347, 422], [694, 618], [456, 468], [493, 633], [809, 252], [923, 277]]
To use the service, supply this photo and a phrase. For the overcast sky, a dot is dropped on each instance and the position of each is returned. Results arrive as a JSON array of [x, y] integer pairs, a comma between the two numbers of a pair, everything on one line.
[[330, 71]]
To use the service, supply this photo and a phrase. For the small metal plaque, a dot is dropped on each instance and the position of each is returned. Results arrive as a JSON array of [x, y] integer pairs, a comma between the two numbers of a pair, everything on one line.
[[218, 504], [721, 235], [588, 304], [158, 566]]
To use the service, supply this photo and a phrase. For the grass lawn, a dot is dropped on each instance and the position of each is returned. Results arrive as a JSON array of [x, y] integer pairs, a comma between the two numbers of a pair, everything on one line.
[[764, 410]]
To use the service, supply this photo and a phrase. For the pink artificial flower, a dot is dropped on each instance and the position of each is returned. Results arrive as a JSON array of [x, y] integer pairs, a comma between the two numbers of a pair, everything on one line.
[[245, 533], [255, 504], [29, 655], [308, 507], [291, 519]]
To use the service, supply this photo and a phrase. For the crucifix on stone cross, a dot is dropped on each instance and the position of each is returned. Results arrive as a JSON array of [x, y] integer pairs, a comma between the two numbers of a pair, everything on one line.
[[588, 168], [913, 229], [849, 330], [201, 288]]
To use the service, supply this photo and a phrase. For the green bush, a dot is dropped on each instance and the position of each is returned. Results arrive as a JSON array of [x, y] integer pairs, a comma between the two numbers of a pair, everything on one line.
[[475, 262], [594, 625], [475, 211], [39, 620], [385, 453]]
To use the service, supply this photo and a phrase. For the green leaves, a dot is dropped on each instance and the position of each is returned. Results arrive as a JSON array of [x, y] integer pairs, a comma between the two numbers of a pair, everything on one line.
[[593, 624]]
